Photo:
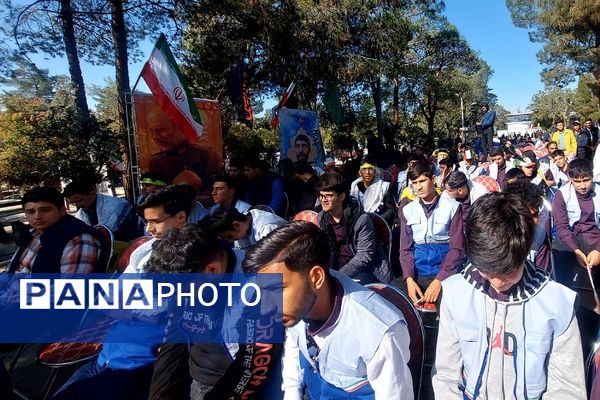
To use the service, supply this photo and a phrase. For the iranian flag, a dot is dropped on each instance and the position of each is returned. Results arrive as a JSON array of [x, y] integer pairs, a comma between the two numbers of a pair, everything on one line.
[[168, 85]]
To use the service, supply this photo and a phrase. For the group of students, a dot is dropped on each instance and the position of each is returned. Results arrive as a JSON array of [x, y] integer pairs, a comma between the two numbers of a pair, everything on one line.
[[503, 278]]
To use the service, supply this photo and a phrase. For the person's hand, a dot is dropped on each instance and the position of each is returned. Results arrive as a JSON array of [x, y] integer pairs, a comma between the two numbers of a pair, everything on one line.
[[414, 291], [581, 258], [433, 291], [593, 258]]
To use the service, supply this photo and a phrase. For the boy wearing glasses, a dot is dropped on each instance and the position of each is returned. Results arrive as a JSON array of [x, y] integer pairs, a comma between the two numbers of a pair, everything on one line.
[[124, 370], [356, 251]]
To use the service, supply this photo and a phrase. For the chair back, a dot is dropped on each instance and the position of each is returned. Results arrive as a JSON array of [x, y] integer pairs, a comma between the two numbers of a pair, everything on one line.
[[307, 215], [382, 232], [108, 248], [263, 207], [123, 260], [416, 331]]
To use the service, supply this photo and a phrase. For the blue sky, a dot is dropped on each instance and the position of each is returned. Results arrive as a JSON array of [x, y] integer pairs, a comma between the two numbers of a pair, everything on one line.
[[485, 24]]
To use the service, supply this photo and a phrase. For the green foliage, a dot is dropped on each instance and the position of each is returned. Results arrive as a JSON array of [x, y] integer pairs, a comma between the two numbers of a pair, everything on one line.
[[551, 104], [43, 141], [570, 33]]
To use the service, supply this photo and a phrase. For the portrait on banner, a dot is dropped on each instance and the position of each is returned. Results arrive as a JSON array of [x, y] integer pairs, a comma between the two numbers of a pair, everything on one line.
[[300, 137]]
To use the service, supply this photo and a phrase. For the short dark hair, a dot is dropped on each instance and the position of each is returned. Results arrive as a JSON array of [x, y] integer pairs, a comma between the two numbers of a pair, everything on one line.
[[302, 138], [421, 167], [237, 162], [456, 179], [43, 193], [184, 249], [332, 181], [499, 215], [551, 142], [446, 162], [302, 167], [514, 173], [222, 219], [557, 152], [299, 245], [529, 154], [79, 186], [589, 119], [497, 151], [228, 180], [580, 168], [529, 192], [173, 199], [255, 162]]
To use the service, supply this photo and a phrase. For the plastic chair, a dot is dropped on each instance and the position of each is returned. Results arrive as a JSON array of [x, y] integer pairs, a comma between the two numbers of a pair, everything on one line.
[[74, 349], [263, 207], [108, 248], [307, 215], [592, 363], [416, 331], [382, 231]]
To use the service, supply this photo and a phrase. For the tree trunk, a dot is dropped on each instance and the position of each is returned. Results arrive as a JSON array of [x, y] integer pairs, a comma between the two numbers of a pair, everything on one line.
[[376, 91], [66, 16], [119, 35], [396, 103]]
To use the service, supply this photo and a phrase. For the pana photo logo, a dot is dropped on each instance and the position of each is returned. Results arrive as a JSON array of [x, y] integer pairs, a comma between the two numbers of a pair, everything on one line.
[[130, 294]]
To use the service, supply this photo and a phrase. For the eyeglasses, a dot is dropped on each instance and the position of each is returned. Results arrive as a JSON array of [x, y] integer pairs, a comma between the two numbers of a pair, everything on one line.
[[326, 196], [155, 222]]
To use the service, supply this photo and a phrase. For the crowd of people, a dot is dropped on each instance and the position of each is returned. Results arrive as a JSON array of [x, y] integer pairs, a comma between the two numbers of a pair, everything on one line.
[[490, 247]]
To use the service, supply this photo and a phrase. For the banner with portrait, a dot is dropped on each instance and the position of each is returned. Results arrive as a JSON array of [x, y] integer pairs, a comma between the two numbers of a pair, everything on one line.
[[164, 149], [300, 136]]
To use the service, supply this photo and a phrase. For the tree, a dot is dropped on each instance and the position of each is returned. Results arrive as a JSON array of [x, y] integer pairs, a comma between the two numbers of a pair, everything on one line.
[[43, 140], [584, 98], [550, 104], [570, 33]]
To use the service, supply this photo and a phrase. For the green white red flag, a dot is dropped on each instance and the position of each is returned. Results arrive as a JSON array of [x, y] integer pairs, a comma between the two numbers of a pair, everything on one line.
[[168, 85]]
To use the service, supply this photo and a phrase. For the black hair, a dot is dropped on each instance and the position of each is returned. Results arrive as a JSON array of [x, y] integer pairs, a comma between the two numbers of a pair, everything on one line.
[[497, 151], [580, 168], [43, 193], [514, 173], [557, 152], [530, 193], [184, 249], [80, 187], [228, 180], [446, 162], [415, 157], [302, 167], [499, 215], [299, 245], [255, 162], [529, 154], [331, 181], [222, 219], [589, 119], [421, 167], [551, 142], [237, 162], [173, 199], [456, 179], [302, 138]]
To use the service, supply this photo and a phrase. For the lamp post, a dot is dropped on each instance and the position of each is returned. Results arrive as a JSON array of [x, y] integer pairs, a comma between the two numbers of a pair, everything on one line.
[[462, 117]]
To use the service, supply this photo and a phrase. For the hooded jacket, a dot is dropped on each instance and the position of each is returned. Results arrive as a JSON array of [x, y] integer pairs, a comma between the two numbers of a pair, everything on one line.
[[519, 344]]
